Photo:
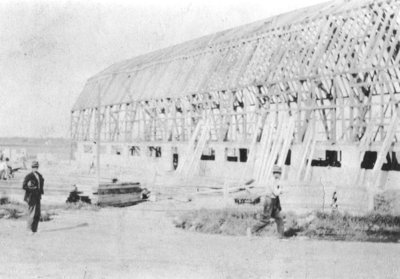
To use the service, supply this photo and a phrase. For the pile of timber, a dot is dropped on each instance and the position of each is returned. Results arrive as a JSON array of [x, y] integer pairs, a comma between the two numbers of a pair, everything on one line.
[[121, 194]]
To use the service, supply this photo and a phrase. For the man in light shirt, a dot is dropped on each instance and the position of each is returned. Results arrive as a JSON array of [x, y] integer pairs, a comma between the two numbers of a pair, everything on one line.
[[272, 205]]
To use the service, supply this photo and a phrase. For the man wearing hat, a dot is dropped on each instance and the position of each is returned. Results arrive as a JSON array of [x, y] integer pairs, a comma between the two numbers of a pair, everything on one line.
[[272, 205], [33, 186]]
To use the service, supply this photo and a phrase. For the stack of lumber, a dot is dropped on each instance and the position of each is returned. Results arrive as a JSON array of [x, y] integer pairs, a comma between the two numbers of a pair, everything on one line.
[[120, 194]]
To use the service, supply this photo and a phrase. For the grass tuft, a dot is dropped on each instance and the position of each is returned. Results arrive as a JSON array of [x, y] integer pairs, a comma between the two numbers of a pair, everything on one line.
[[317, 225], [4, 200], [72, 206], [46, 216], [14, 210], [11, 210]]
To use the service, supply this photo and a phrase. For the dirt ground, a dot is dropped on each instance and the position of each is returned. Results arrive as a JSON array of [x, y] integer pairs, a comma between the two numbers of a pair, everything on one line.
[[141, 242]]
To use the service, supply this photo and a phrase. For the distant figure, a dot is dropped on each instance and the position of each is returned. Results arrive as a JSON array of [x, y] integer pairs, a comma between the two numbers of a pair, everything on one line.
[[10, 170], [3, 170], [33, 186], [272, 205], [92, 165], [334, 204], [9, 173]]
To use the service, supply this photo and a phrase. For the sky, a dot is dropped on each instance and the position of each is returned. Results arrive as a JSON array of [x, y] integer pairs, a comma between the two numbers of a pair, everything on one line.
[[50, 48]]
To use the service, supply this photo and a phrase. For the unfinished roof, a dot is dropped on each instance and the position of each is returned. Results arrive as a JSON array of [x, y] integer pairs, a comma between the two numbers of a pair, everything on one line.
[[321, 40]]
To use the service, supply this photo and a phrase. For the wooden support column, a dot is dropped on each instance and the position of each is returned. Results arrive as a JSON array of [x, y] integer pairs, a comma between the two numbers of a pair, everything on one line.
[[333, 121], [98, 141], [351, 113]]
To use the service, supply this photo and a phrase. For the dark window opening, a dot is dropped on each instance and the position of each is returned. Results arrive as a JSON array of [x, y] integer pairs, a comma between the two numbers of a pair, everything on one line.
[[288, 158], [369, 160], [391, 162], [236, 154], [134, 151], [243, 152], [332, 159], [230, 154], [175, 160], [175, 157], [232, 158], [208, 155], [154, 151]]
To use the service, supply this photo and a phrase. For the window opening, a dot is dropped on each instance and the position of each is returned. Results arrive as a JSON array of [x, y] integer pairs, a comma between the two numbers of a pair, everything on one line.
[[332, 158], [134, 151], [154, 151], [208, 154]]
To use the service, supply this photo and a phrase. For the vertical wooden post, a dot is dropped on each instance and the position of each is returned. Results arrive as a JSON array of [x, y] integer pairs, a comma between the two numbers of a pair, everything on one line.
[[333, 121], [72, 137], [351, 116], [382, 113], [98, 137], [299, 119]]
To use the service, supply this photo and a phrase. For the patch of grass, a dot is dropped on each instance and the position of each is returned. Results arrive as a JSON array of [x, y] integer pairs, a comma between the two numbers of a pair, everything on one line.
[[15, 210], [81, 206], [12, 210], [316, 225], [4, 200], [46, 216], [219, 221], [72, 206], [344, 226], [14, 213]]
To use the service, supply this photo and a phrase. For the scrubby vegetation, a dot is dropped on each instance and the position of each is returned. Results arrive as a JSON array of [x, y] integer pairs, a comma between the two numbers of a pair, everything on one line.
[[316, 225], [372, 227], [14, 210], [72, 206], [10, 209], [229, 222]]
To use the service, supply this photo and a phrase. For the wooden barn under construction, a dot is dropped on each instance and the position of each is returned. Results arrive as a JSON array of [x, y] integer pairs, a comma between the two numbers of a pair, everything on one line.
[[315, 91]]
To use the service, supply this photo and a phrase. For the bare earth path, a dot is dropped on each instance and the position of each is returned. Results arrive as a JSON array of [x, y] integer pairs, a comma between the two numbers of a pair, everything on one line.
[[141, 242]]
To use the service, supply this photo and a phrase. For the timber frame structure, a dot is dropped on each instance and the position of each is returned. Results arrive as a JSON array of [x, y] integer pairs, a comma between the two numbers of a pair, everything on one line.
[[336, 65]]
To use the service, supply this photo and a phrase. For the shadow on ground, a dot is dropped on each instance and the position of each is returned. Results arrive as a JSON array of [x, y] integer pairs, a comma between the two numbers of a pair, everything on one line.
[[67, 228]]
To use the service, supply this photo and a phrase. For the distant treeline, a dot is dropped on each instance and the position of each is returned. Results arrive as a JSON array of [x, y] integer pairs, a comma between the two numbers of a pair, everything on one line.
[[23, 141]]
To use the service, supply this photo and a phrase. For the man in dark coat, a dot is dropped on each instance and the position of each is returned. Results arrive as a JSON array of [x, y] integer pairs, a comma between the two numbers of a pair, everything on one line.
[[33, 186]]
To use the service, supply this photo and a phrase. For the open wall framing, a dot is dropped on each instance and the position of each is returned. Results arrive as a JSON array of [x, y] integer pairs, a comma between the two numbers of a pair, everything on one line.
[[335, 65]]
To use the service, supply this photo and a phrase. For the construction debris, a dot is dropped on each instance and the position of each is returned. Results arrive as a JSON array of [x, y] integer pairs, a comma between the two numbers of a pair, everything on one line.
[[75, 196]]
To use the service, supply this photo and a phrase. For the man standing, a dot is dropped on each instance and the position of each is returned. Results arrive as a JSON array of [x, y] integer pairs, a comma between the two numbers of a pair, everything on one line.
[[272, 205], [33, 186], [3, 169]]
